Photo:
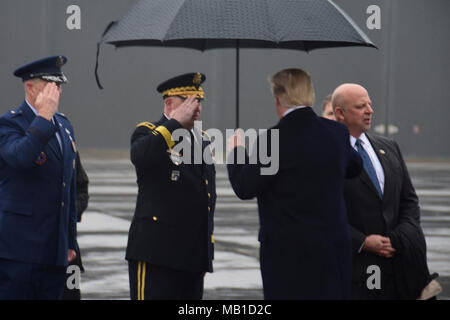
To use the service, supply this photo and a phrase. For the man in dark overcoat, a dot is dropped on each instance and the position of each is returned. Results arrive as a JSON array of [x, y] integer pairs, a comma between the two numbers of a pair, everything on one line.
[[305, 248]]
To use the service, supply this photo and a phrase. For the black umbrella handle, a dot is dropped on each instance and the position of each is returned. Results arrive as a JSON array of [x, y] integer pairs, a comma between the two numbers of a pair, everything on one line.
[[97, 78], [237, 84], [96, 68]]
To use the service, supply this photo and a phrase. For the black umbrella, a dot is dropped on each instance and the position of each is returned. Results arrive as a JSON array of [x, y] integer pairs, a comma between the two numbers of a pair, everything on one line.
[[209, 24]]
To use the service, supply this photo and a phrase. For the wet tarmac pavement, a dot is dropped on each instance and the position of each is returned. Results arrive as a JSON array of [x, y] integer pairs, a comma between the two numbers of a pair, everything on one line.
[[102, 234]]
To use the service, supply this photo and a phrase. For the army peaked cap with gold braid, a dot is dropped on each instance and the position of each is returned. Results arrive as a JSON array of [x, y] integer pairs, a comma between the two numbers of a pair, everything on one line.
[[185, 85]]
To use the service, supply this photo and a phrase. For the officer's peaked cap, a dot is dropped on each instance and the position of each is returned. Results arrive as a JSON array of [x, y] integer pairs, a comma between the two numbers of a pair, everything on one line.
[[48, 69], [184, 85]]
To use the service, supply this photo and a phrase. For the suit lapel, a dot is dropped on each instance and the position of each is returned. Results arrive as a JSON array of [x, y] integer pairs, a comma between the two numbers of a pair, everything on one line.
[[66, 140], [380, 150], [364, 175], [366, 180], [53, 142], [54, 145]]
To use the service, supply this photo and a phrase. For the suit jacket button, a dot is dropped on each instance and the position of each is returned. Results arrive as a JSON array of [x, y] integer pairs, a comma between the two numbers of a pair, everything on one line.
[[209, 195], [155, 218], [206, 181]]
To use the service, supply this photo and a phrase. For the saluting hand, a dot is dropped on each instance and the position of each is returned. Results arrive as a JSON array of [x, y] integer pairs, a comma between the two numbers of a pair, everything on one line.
[[236, 140], [47, 101], [184, 113]]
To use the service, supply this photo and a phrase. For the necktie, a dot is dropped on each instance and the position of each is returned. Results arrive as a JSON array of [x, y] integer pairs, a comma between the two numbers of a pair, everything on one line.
[[368, 166]]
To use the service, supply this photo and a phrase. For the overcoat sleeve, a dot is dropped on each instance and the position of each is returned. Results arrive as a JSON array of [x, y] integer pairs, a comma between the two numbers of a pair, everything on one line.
[[247, 179], [354, 165], [409, 210]]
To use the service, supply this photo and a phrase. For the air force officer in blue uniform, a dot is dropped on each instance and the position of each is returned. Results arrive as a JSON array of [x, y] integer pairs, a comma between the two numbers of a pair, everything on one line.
[[37, 187]]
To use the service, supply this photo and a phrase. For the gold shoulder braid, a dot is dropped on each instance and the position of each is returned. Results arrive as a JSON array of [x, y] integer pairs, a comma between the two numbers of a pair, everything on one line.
[[149, 125], [206, 135]]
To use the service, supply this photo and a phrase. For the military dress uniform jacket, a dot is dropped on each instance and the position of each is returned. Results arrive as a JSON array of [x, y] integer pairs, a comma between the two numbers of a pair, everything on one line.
[[304, 234], [37, 188], [173, 221]]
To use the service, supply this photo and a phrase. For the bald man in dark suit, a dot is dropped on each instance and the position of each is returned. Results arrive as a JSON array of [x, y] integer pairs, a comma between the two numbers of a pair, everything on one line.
[[383, 209]]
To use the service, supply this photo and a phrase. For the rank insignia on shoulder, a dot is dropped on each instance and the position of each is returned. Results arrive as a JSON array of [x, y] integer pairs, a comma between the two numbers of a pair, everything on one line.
[[149, 125], [205, 136], [175, 175], [15, 113], [42, 158]]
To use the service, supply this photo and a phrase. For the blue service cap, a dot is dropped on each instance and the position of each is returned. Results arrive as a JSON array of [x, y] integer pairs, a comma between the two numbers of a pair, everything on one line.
[[47, 69]]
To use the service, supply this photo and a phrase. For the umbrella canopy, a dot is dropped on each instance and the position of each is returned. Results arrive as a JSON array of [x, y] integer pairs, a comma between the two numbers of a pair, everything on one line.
[[209, 24]]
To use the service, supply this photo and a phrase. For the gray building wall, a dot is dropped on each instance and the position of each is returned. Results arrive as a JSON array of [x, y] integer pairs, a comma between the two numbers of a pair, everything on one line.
[[407, 77]]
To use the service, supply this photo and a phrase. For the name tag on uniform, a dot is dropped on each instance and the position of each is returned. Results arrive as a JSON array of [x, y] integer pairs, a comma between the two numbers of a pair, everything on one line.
[[175, 175]]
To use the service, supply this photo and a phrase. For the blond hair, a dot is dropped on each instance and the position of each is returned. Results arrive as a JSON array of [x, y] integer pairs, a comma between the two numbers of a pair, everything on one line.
[[293, 87]]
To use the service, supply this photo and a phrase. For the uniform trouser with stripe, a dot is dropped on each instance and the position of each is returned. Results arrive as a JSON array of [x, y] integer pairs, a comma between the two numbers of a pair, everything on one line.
[[151, 282]]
